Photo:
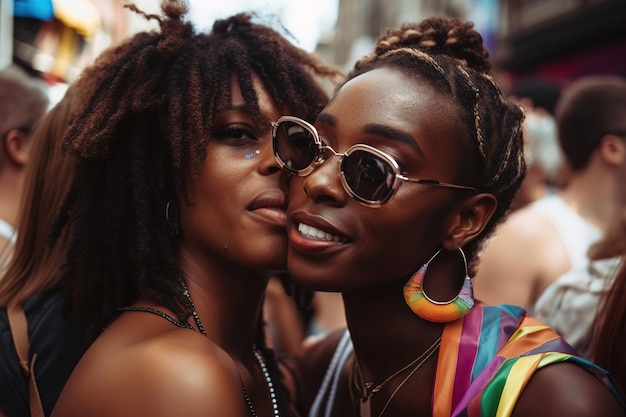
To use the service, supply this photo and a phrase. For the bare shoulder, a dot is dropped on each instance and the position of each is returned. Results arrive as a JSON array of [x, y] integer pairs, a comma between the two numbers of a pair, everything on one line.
[[527, 223], [524, 231], [566, 389], [157, 376], [517, 258]]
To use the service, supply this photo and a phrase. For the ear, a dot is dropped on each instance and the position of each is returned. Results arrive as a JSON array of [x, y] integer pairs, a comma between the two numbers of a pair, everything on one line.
[[612, 149], [469, 220], [16, 145]]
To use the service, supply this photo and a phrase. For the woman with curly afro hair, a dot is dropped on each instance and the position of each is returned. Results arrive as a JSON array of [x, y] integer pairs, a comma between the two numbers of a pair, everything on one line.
[[177, 217]]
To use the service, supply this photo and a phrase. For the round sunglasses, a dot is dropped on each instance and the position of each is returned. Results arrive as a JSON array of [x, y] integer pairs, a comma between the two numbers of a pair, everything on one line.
[[368, 175]]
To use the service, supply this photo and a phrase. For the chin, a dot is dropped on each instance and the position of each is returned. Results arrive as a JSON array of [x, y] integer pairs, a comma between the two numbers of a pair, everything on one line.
[[314, 276]]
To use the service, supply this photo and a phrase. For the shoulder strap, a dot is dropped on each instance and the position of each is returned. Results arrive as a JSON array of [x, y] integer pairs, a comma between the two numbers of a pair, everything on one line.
[[19, 329], [331, 378]]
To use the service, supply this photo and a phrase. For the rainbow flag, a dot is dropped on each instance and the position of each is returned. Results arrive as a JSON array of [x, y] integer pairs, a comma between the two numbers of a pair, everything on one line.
[[485, 378]]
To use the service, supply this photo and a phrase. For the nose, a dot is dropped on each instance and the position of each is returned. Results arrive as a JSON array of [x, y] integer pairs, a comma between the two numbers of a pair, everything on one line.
[[269, 167], [268, 163], [323, 185]]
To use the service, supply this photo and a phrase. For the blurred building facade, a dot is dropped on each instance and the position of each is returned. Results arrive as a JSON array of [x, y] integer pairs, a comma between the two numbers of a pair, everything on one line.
[[561, 40], [55, 39], [556, 40]]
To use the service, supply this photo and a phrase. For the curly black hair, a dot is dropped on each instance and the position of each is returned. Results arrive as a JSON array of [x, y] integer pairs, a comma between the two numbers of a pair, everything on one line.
[[144, 113], [451, 55]]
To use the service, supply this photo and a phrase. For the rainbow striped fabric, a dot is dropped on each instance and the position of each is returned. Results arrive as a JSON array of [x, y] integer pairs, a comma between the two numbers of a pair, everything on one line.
[[485, 378]]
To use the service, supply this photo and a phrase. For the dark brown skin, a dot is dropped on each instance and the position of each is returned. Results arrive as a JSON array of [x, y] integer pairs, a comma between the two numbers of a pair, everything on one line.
[[153, 368], [380, 247], [549, 392], [180, 117], [566, 389]]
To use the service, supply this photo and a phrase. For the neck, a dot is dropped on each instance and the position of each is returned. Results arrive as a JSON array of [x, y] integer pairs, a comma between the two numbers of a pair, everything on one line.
[[383, 326], [10, 195], [595, 196], [228, 301]]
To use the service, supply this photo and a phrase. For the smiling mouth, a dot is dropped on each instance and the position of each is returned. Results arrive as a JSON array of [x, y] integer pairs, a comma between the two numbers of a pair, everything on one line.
[[313, 233]]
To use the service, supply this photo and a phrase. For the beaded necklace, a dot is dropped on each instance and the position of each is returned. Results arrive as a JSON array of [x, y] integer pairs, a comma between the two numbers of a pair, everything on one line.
[[200, 328]]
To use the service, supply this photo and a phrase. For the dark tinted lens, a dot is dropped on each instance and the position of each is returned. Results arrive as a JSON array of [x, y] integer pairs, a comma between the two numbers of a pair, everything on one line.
[[368, 176], [295, 146]]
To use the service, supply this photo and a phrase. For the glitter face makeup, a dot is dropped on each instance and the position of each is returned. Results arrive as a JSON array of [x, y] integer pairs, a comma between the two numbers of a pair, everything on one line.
[[253, 154]]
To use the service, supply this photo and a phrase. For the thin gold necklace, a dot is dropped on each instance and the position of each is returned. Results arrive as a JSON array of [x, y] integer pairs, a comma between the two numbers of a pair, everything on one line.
[[367, 389]]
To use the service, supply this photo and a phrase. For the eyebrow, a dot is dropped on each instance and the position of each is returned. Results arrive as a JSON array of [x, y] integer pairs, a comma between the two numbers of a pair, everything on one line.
[[377, 129], [395, 134], [326, 119], [243, 108]]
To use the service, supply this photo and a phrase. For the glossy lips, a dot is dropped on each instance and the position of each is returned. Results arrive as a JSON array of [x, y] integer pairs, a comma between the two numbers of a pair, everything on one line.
[[271, 205]]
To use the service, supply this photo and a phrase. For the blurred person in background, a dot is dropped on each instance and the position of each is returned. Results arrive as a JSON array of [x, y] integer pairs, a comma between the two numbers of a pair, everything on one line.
[[542, 151], [570, 304], [608, 331], [31, 289], [541, 242], [23, 101]]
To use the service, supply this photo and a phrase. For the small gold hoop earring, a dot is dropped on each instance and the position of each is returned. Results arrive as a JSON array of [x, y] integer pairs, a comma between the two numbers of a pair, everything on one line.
[[438, 311]]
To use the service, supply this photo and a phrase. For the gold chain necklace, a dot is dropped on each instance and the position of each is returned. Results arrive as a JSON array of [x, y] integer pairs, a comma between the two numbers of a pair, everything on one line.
[[367, 390]]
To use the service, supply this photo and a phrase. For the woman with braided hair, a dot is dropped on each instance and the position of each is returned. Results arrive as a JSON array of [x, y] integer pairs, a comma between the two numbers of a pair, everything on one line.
[[177, 217], [396, 186]]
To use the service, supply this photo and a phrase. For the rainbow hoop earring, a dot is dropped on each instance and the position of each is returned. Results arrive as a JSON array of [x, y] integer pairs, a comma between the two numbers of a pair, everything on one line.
[[438, 311]]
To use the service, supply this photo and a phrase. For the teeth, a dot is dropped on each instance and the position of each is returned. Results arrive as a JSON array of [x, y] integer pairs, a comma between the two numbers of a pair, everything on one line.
[[310, 231]]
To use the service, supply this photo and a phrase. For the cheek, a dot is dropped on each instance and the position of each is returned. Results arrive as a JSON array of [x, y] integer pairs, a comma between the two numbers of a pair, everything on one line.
[[213, 194], [409, 236], [223, 173], [296, 189], [393, 245]]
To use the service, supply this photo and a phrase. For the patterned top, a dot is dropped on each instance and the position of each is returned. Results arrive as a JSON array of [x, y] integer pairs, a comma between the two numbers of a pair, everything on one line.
[[486, 378], [485, 360]]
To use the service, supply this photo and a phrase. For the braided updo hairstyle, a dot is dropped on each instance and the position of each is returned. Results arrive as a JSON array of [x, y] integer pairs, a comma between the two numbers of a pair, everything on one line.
[[144, 113], [450, 55]]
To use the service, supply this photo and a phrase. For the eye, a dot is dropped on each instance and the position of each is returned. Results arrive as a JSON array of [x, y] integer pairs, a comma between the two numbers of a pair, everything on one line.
[[236, 135], [373, 170], [365, 169], [301, 140]]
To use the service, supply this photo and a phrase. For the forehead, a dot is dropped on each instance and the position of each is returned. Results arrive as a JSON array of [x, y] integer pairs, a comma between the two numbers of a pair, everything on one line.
[[257, 84], [267, 106], [388, 97]]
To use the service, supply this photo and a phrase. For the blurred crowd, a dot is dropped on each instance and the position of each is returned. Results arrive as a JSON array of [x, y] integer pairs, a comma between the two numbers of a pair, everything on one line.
[[125, 197]]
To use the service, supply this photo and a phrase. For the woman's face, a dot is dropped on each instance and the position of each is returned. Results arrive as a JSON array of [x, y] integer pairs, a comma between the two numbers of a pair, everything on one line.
[[238, 206], [362, 245]]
